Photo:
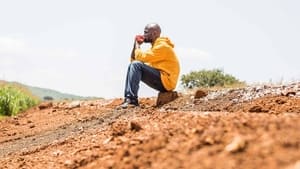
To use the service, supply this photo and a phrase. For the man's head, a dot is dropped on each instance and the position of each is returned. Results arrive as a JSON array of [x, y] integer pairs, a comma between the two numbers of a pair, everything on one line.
[[151, 32]]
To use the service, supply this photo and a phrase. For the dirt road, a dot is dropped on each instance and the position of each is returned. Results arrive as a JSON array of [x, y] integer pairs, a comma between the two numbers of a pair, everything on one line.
[[247, 128]]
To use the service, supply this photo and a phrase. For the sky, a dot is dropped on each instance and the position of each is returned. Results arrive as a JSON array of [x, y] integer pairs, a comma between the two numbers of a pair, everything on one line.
[[83, 47]]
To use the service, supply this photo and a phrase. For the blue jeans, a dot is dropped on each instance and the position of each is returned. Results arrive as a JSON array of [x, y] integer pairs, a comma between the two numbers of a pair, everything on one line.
[[138, 71]]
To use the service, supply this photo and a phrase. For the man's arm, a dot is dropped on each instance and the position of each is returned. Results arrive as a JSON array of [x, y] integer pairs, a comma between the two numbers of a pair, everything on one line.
[[132, 52], [155, 54], [136, 45]]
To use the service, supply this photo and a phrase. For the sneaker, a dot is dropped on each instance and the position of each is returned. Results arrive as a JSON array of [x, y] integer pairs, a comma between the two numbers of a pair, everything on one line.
[[128, 103]]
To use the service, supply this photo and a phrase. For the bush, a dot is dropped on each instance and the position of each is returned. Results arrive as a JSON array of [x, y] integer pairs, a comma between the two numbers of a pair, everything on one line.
[[208, 78], [47, 98], [14, 100]]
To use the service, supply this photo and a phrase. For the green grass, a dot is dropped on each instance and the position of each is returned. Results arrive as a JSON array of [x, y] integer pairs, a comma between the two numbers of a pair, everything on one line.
[[14, 100]]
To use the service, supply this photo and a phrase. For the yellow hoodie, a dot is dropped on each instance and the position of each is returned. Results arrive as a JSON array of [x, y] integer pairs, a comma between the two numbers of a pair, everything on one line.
[[162, 57]]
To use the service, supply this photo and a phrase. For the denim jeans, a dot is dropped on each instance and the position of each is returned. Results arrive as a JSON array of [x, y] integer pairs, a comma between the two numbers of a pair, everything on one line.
[[138, 71]]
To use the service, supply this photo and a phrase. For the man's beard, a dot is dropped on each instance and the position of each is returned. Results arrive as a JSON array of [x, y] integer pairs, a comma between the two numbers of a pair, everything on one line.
[[146, 40]]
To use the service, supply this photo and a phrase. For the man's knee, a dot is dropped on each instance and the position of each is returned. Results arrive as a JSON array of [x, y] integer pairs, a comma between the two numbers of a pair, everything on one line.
[[136, 64]]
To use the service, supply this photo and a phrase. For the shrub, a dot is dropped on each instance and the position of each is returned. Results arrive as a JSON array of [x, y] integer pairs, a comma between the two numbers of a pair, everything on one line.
[[208, 78], [47, 98], [14, 100]]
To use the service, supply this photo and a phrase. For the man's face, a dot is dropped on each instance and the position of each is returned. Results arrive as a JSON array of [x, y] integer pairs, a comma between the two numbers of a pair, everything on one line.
[[148, 35]]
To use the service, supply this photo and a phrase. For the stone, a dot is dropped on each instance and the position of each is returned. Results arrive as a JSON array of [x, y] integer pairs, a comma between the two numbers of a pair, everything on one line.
[[74, 104], [165, 97], [200, 94], [237, 144], [134, 126], [45, 105], [289, 93]]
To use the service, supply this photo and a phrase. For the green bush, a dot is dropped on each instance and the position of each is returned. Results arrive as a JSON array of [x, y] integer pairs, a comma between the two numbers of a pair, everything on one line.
[[14, 100], [208, 78]]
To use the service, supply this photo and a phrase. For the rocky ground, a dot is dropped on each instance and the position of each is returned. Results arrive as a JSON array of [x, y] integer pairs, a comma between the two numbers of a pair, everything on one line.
[[252, 127]]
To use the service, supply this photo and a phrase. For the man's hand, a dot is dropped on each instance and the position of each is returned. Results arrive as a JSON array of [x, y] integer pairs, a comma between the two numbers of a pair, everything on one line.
[[139, 39]]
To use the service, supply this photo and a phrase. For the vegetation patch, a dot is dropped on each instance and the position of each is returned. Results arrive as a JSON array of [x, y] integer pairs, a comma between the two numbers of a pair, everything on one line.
[[14, 100], [209, 78]]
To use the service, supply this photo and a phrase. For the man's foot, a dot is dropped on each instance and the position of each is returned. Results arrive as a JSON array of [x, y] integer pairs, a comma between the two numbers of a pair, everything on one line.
[[129, 103]]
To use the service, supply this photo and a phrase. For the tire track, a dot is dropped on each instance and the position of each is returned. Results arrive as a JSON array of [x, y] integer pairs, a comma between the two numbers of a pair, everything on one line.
[[29, 144]]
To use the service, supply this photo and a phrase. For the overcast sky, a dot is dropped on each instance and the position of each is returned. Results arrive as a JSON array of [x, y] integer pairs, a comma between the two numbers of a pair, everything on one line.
[[83, 47]]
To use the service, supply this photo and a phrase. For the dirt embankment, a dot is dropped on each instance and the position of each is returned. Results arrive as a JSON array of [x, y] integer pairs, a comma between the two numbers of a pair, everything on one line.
[[253, 127]]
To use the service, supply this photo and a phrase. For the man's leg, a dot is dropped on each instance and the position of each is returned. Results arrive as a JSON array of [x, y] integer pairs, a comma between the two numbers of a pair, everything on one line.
[[138, 71], [151, 77], [133, 79]]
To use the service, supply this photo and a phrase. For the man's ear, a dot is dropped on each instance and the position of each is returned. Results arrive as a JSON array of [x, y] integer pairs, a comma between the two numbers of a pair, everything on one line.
[[155, 32]]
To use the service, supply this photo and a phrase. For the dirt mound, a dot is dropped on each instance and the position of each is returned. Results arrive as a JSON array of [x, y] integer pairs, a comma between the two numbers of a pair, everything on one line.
[[275, 104], [254, 127]]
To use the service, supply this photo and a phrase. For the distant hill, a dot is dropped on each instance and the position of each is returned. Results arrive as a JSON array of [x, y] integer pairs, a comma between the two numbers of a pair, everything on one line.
[[49, 94]]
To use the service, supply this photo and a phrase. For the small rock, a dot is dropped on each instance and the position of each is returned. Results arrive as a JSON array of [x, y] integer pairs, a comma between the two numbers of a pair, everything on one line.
[[134, 142], [92, 104], [107, 140], [197, 131], [237, 144], [17, 123], [209, 140], [256, 108], [74, 104], [68, 162], [289, 93], [57, 153], [123, 139], [134, 126], [45, 105], [280, 101], [200, 94]]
